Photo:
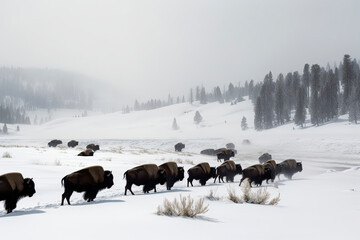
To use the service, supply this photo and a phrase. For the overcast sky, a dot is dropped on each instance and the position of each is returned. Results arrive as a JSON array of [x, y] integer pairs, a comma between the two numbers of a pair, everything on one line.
[[151, 48]]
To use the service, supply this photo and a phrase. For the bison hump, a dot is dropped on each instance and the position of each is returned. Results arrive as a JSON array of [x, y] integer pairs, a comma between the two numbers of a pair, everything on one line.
[[230, 165], [259, 168], [15, 180], [95, 172], [291, 163], [170, 168], [150, 170], [205, 167]]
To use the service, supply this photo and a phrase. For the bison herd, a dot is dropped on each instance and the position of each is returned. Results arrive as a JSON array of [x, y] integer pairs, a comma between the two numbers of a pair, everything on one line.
[[93, 179]]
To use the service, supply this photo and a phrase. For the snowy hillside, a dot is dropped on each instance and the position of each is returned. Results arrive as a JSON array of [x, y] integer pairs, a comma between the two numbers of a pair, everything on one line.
[[321, 202]]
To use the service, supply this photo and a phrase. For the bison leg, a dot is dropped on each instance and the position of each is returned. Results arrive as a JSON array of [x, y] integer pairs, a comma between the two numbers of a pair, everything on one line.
[[128, 186], [67, 194], [10, 204], [189, 180], [202, 182]]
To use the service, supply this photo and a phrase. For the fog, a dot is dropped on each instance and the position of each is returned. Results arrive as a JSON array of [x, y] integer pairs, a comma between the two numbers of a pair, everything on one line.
[[148, 49]]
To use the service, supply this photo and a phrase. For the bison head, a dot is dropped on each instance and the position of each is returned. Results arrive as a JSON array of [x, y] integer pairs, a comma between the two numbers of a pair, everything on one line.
[[232, 153], [213, 172], [263, 158], [238, 168], [161, 176], [29, 187], [299, 167], [181, 173], [278, 168], [108, 179], [96, 147]]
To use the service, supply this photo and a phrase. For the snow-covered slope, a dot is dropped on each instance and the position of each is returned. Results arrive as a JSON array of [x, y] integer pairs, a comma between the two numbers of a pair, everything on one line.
[[322, 202]]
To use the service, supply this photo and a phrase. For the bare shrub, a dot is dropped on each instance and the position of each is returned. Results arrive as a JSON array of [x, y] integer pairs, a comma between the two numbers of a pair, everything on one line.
[[260, 196], [233, 197], [275, 201], [191, 162], [186, 207], [6, 155], [212, 196], [57, 162]]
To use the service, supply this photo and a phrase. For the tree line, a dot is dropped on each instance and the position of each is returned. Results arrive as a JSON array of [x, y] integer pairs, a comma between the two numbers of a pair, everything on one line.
[[324, 92]]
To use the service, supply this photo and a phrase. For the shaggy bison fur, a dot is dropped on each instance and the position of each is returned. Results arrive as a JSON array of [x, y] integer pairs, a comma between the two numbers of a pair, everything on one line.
[[93, 147], [173, 173], [225, 154], [89, 180], [86, 153], [179, 147], [201, 172], [13, 187], [54, 143], [289, 167], [228, 169], [255, 173], [209, 151], [72, 143], [148, 175], [272, 170]]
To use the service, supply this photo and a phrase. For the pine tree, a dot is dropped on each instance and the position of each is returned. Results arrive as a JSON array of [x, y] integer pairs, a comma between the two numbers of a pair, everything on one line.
[[314, 100], [300, 113], [306, 82], [174, 125], [136, 106], [280, 100], [203, 98], [5, 129], [354, 109], [17, 128], [347, 78], [197, 118], [267, 101], [244, 125], [191, 98], [258, 115], [197, 93]]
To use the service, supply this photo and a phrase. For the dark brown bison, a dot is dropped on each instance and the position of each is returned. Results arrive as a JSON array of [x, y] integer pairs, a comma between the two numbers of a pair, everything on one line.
[[201, 172], [93, 147], [13, 187], [148, 175], [179, 147], [86, 153], [173, 173], [89, 180], [228, 169], [225, 154], [209, 151], [255, 173], [263, 158], [272, 170], [54, 143], [289, 167], [73, 143]]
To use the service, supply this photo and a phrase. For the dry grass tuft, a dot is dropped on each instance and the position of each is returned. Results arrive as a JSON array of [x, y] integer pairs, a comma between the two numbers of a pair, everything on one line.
[[212, 196], [6, 155], [186, 207], [233, 197]]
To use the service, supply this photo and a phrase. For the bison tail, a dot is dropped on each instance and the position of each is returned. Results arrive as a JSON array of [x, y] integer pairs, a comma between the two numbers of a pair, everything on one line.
[[62, 181], [125, 174]]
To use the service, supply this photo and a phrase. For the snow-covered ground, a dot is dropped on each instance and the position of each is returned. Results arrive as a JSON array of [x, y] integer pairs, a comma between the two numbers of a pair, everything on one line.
[[321, 202]]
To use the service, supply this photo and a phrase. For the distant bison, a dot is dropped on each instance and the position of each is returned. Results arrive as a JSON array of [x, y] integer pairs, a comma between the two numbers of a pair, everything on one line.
[[89, 180], [209, 151], [54, 143], [179, 147], [86, 153], [263, 158], [289, 167], [201, 172], [228, 169], [173, 173], [225, 154], [246, 142], [255, 173], [230, 145], [93, 147], [73, 143], [13, 187], [148, 175]]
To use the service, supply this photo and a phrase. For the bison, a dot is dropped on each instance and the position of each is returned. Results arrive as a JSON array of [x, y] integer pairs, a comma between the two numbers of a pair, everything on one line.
[[89, 180], [228, 169], [289, 167], [230, 145], [173, 173], [209, 151], [54, 143], [201, 172], [179, 147], [13, 187], [72, 143], [272, 170], [86, 153], [255, 173], [93, 147], [263, 158], [225, 154], [148, 175]]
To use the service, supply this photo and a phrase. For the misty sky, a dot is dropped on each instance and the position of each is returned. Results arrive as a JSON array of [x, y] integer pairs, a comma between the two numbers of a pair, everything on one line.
[[151, 48]]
